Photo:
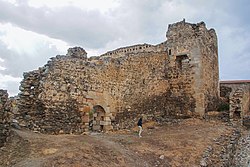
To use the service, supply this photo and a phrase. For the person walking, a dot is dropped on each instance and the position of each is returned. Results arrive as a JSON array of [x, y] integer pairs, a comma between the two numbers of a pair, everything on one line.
[[139, 124]]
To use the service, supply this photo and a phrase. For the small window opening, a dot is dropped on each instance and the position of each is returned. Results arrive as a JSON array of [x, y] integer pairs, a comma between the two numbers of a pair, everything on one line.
[[181, 61], [169, 52]]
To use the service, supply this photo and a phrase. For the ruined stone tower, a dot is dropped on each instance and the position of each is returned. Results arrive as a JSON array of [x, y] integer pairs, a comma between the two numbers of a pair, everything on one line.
[[193, 49], [73, 93]]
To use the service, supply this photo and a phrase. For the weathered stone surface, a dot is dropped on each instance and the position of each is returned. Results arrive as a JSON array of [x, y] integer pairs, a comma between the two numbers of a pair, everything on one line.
[[177, 78], [246, 121], [77, 52], [242, 155], [4, 121], [194, 51]]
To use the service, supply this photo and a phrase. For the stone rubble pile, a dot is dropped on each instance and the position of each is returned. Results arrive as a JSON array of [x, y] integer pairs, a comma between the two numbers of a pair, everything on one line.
[[242, 156], [222, 153]]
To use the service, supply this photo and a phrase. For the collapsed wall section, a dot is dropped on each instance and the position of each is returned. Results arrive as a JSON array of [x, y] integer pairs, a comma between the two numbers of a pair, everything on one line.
[[51, 114]]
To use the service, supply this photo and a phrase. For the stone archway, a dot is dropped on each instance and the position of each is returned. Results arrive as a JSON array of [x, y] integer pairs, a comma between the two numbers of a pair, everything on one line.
[[97, 118]]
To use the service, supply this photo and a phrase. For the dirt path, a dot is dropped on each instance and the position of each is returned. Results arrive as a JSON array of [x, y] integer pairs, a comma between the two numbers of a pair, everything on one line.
[[121, 144], [72, 150], [180, 144]]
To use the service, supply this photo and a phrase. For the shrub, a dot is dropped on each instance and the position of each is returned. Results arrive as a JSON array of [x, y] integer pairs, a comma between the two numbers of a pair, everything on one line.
[[223, 107]]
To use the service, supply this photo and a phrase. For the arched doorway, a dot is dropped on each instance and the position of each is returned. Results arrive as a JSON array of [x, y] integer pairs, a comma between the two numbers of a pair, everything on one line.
[[97, 118], [236, 104]]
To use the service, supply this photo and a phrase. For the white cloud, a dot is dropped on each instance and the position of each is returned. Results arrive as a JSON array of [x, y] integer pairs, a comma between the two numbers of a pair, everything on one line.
[[2, 68], [10, 83], [88, 28], [11, 1], [22, 50], [99, 5], [234, 53], [26, 42]]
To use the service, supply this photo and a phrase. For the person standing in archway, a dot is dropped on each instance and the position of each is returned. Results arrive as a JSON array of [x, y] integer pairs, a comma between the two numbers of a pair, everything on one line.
[[139, 124]]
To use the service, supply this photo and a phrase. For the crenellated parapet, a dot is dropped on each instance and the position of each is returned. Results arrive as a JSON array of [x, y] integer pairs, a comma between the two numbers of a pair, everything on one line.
[[134, 49]]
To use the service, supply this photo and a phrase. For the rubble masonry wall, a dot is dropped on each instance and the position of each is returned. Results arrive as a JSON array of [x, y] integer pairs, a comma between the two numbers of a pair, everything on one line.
[[4, 122], [165, 80]]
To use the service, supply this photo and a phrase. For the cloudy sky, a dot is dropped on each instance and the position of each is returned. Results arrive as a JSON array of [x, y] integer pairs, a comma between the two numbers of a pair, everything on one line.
[[32, 31]]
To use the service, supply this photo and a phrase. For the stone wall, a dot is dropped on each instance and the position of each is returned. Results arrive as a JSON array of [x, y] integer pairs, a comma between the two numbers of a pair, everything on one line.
[[117, 85], [112, 90], [58, 112], [237, 93], [4, 122], [225, 93], [192, 45]]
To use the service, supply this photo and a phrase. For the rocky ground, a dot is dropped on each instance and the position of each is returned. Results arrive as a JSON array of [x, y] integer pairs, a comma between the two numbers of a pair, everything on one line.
[[179, 143], [242, 156]]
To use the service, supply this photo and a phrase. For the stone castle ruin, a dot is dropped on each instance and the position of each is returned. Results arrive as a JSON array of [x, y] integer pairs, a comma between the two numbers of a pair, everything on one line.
[[73, 93]]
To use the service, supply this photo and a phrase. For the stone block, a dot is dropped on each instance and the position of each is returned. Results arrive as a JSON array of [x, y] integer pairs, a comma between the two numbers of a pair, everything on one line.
[[107, 119], [85, 119], [108, 127], [96, 127]]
